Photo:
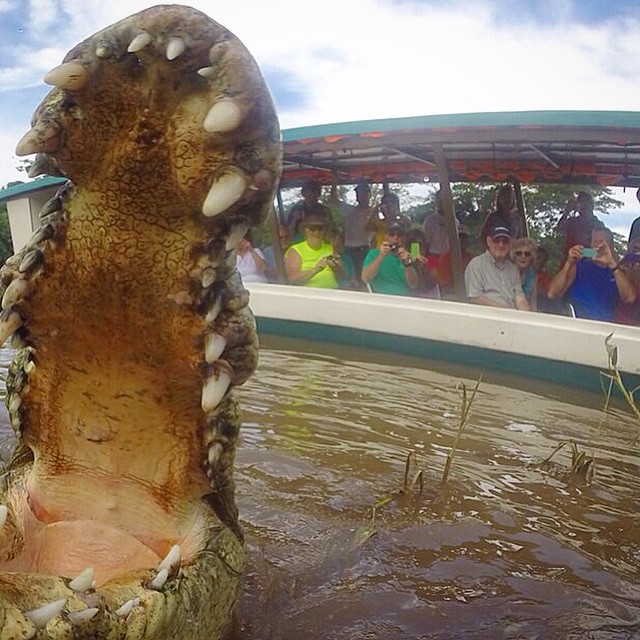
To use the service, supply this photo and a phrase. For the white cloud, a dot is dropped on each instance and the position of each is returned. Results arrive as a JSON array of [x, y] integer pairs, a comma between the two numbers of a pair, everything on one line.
[[366, 59]]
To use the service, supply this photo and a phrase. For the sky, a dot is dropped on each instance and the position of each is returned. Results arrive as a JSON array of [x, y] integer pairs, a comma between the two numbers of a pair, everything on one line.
[[342, 60]]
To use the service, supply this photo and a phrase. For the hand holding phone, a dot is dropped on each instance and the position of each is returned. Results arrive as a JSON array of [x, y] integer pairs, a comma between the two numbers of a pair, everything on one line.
[[588, 252]]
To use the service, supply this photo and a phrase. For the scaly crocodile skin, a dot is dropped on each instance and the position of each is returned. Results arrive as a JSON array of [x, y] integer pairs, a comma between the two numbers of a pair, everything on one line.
[[119, 519]]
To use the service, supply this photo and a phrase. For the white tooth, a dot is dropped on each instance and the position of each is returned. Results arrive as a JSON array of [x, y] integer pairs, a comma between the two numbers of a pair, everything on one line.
[[224, 115], [103, 51], [158, 582], [214, 345], [235, 235], [39, 617], [213, 391], [83, 581], [29, 367], [10, 321], [77, 617], [127, 607], [212, 314], [15, 403], [171, 560], [15, 292], [175, 47], [139, 42], [224, 193], [43, 137], [3, 514], [208, 72], [213, 455], [208, 277], [70, 75]]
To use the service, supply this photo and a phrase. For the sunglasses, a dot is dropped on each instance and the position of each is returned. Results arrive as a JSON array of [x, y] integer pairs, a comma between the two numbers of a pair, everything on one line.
[[315, 227], [525, 254]]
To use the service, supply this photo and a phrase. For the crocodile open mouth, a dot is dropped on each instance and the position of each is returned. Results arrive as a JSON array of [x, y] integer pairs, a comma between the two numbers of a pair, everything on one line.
[[119, 518]]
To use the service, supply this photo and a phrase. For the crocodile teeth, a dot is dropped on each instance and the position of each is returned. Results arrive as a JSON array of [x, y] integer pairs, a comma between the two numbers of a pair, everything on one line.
[[209, 73], [14, 403], [171, 560], [31, 259], [213, 391], [127, 607], [103, 51], [10, 321], [225, 115], [214, 345], [224, 193], [83, 581], [214, 310], [69, 75], [3, 514], [175, 47], [235, 235], [15, 292], [39, 617], [208, 277], [158, 582], [77, 617], [43, 137], [41, 234], [214, 453], [139, 42]]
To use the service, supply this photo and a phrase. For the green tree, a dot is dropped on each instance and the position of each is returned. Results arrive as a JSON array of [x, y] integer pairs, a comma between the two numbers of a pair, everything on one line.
[[6, 246]]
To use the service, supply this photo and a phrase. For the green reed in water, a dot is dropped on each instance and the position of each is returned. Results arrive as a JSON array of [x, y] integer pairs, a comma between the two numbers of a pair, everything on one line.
[[614, 377], [582, 465], [465, 407]]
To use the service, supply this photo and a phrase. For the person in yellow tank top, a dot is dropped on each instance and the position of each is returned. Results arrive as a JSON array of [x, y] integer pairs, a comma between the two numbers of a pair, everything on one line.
[[311, 263]]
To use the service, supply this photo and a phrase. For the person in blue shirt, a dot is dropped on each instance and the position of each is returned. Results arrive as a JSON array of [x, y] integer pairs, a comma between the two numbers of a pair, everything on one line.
[[592, 280]]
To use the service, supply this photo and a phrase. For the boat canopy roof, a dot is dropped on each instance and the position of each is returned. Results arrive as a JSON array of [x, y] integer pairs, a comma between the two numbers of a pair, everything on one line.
[[573, 147]]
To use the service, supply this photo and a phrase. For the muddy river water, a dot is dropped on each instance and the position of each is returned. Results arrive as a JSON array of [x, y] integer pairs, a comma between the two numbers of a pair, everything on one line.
[[504, 550]]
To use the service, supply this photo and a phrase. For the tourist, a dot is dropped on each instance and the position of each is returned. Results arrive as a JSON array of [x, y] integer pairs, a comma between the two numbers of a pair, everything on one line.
[[577, 229], [388, 213], [358, 220], [592, 279], [491, 278], [389, 268], [311, 191], [250, 261], [629, 312], [436, 231], [523, 255], [311, 262], [349, 279], [505, 214]]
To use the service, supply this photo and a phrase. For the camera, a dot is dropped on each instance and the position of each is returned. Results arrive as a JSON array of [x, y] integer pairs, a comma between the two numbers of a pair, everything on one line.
[[588, 252], [395, 247], [332, 259]]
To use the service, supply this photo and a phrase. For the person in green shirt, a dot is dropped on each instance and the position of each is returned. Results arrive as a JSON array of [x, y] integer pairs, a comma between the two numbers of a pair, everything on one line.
[[389, 268], [312, 263]]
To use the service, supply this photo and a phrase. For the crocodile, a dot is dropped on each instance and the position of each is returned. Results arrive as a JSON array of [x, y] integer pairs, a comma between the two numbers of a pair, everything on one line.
[[117, 515]]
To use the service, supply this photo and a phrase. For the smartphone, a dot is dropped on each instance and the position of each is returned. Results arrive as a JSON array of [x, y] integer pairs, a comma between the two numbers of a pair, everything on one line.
[[415, 249], [588, 252]]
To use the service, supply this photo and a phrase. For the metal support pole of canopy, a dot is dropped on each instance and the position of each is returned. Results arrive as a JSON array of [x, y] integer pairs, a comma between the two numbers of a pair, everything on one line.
[[274, 221], [522, 214], [457, 272]]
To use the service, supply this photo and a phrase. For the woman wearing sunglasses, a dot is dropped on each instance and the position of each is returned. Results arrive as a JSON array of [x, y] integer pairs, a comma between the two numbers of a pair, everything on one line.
[[312, 263], [523, 254]]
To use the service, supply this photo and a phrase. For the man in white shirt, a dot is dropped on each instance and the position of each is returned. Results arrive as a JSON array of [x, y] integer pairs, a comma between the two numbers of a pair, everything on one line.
[[491, 278]]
